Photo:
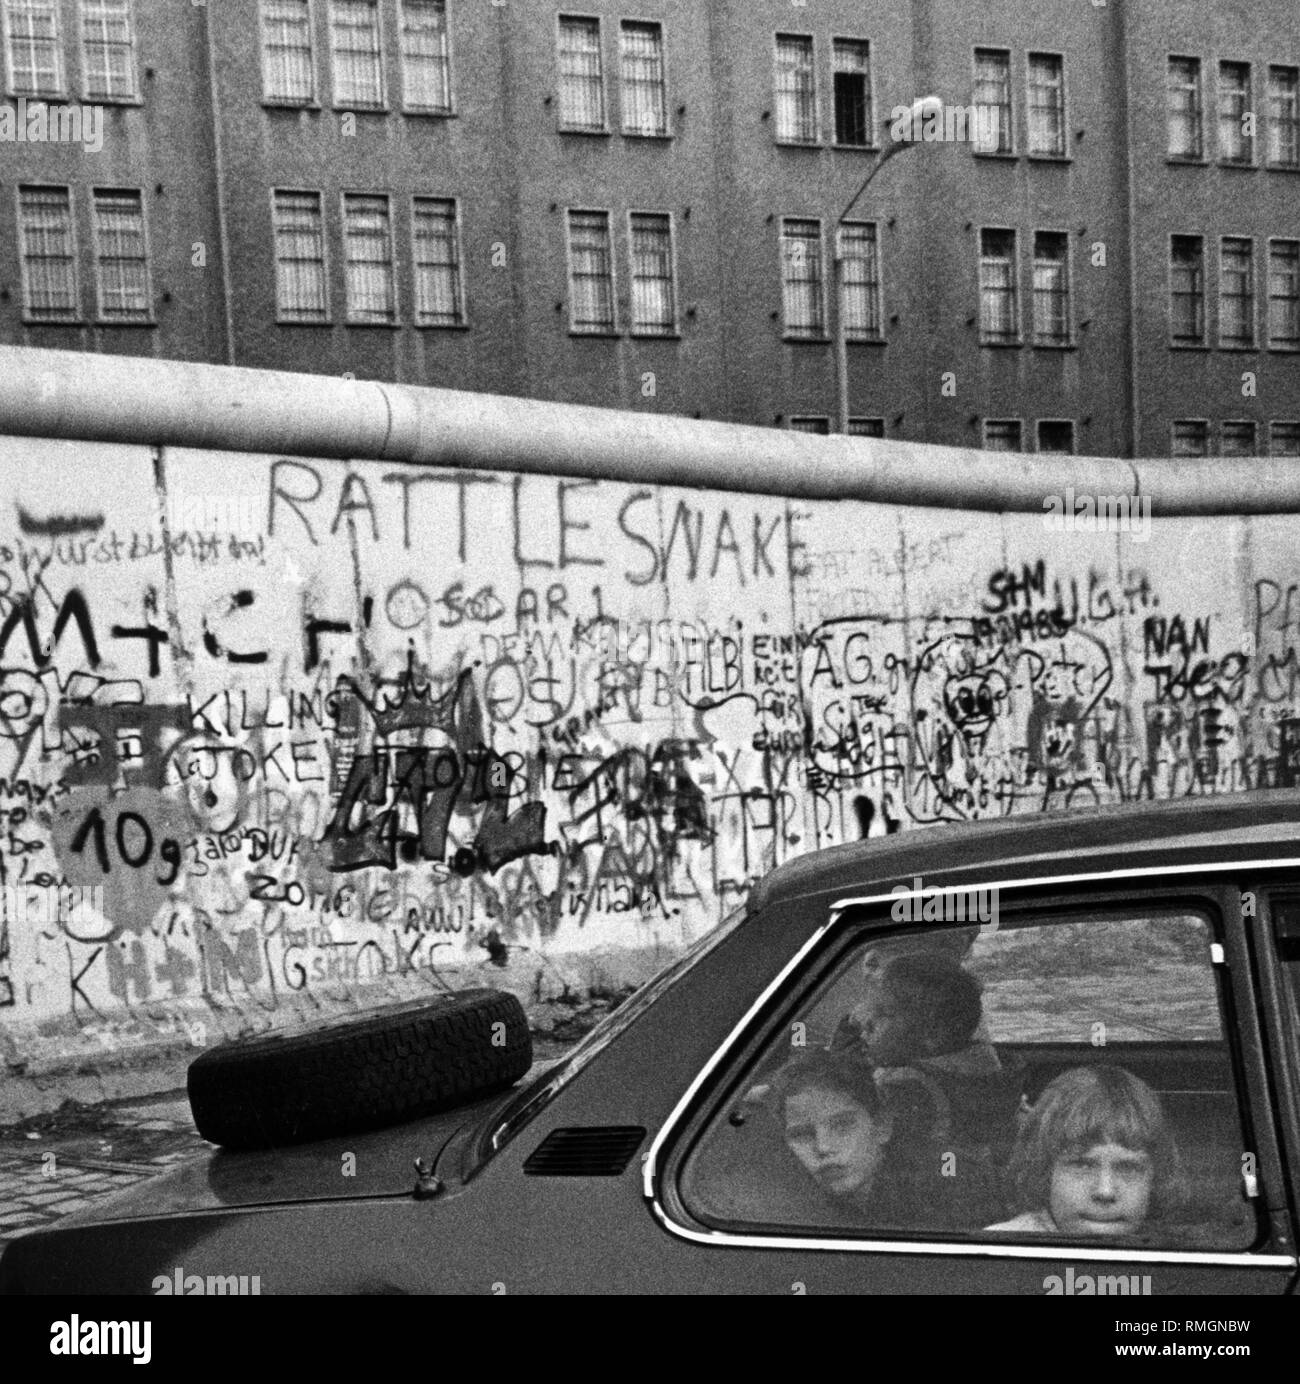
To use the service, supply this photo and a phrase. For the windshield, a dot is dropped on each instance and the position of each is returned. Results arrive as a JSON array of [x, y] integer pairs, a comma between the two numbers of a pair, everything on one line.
[[536, 1096]]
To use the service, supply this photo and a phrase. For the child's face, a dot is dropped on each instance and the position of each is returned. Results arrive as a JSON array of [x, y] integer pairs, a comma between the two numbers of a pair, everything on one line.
[[888, 1031], [836, 1138], [1103, 1190]]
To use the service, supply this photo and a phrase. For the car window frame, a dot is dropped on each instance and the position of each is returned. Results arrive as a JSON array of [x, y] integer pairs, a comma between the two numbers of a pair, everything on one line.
[[1176, 886]]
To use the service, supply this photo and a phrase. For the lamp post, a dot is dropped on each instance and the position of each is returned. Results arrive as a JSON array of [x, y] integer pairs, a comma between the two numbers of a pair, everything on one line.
[[919, 110]]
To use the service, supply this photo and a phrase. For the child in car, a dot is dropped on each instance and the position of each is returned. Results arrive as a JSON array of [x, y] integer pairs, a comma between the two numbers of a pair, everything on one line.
[[1095, 1157], [918, 1025]]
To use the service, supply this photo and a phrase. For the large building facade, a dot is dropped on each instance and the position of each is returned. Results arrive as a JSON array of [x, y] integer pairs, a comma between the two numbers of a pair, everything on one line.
[[1094, 247]]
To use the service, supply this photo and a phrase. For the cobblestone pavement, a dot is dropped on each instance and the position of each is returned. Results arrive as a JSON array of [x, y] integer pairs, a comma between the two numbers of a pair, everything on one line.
[[65, 1162]]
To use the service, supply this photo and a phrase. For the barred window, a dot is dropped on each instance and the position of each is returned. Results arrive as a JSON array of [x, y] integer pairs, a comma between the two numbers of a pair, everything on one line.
[[121, 258], [796, 89], [1236, 291], [439, 290], [853, 119], [1187, 290], [1238, 439], [287, 68], [999, 302], [801, 278], [49, 262], [860, 260], [1284, 294], [355, 52], [1046, 104], [866, 427], [654, 309], [1183, 95], [1235, 144], [591, 273], [368, 255], [301, 290], [34, 54], [1002, 435], [426, 56], [1190, 437], [107, 48], [644, 91], [1051, 288], [816, 423], [1284, 439], [992, 101], [1056, 436], [582, 83], [1284, 117]]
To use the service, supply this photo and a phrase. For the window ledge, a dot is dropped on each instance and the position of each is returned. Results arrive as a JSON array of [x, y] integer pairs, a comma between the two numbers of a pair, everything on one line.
[[584, 134], [798, 143], [430, 113], [112, 101], [283, 103], [1282, 167], [1049, 158], [1240, 165], [655, 137], [805, 340], [1003, 345], [595, 335], [856, 148], [1186, 161], [1252, 349], [52, 321], [303, 322], [1189, 346], [1283, 350], [382, 326], [1055, 345], [118, 322], [357, 109], [866, 340], [1006, 156], [655, 336]]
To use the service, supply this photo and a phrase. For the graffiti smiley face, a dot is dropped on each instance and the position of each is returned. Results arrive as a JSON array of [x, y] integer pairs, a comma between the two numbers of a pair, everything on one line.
[[974, 699]]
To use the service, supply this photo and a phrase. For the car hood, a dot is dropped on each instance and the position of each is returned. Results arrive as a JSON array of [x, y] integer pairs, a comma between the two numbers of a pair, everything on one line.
[[380, 1163]]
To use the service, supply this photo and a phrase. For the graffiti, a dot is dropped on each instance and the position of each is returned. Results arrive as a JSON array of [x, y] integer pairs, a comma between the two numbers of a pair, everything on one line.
[[415, 709]]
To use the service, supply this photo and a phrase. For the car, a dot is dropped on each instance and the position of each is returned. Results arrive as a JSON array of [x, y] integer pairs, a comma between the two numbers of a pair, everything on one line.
[[1120, 988]]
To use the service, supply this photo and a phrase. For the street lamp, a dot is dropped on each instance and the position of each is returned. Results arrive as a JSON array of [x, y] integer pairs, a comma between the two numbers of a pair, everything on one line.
[[919, 110]]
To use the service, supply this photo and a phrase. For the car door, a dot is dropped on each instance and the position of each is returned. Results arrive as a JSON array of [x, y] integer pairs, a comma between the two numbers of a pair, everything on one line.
[[1097, 1121]]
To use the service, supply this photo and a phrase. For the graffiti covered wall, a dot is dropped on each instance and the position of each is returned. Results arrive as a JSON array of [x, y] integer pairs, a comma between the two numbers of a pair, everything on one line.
[[276, 732]]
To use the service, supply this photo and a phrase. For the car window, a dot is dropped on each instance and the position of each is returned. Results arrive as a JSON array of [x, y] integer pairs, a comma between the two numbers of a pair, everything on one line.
[[528, 1102], [1055, 1077]]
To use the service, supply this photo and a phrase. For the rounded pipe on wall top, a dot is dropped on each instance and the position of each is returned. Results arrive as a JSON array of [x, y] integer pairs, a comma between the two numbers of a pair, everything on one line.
[[148, 402]]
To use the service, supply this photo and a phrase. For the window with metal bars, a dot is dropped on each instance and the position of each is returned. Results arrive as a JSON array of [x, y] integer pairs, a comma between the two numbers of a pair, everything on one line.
[[368, 258], [591, 273], [582, 82], [1186, 290], [1236, 144], [33, 51], [288, 72], [439, 291], [301, 288], [1284, 117], [47, 253], [796, 90], [992, 101], [1236, 291], [860, 273], [1237, 439], [801, 278], [1002, 434], [999, 300], [121, 255], [644, 92], [866, 427], [1047, 104], [1189, 437], [426, 56], [355, 53], [1284, 439], [1051, 289], [1284, 295], [853, 118], [654, 310], [1183, 98], [108, 49], [816, 423]]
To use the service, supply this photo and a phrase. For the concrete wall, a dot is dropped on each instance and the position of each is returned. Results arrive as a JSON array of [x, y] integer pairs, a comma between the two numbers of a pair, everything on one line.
[[309, 749]]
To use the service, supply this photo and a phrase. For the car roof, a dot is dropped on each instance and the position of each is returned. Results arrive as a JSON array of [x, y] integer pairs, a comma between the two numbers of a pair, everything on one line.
[[1253, 825]]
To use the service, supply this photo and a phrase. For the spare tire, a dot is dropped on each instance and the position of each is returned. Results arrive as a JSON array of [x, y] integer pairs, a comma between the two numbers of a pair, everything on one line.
[[397, 1065]]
